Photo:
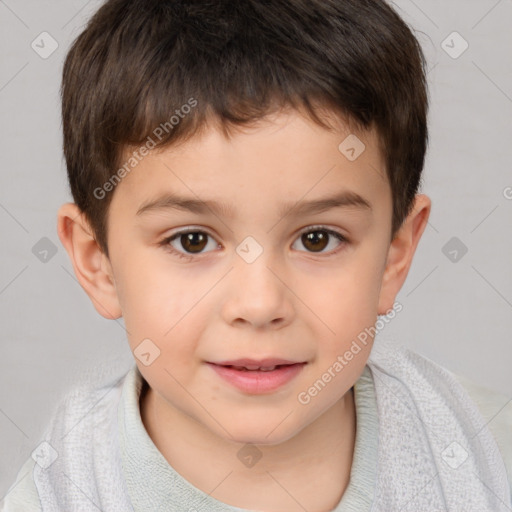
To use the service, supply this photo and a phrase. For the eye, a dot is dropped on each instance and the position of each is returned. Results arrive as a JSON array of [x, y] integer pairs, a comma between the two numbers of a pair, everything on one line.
[[193, 242], [317, 238], [187, 244]]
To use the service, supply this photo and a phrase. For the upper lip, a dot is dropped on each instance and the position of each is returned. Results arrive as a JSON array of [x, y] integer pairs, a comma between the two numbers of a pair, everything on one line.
[[260, 363]]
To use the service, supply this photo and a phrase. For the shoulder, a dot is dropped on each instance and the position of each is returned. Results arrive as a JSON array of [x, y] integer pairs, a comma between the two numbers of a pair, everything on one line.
[[80, 422], [22, 495], [444, 416], [496, 408], [85, 405]]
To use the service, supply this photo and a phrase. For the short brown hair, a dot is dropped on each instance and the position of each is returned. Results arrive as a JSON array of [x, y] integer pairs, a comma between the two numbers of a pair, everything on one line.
[[139, 62]]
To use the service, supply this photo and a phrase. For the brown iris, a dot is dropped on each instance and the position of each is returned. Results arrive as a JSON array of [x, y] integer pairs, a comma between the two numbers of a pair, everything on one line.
[[315, 241], [194, 242]]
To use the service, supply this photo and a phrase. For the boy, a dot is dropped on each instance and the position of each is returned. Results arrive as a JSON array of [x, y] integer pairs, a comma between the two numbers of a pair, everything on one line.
[[245, 178]]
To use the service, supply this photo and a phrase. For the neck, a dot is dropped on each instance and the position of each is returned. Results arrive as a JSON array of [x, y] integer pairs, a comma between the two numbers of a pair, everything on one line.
[[308, 471]]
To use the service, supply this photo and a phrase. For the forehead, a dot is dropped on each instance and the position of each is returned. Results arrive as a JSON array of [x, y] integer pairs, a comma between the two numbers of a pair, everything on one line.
[[279, 161]]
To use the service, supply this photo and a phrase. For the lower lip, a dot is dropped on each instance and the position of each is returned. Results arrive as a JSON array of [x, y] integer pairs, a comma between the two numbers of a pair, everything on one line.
[[258, 382]]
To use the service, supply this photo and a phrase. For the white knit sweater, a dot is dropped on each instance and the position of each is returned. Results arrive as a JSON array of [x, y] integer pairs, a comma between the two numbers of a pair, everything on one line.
[[421, 445]]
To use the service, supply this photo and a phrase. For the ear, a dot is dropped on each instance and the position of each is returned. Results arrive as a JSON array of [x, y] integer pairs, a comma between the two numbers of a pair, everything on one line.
[[401, 252], [92, 268]]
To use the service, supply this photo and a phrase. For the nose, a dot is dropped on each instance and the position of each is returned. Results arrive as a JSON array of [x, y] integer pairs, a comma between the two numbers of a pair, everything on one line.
[[257, 295]]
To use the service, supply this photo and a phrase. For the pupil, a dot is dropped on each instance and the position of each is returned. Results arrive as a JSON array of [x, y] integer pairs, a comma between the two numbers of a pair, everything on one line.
[[317, 240], [190, 240]]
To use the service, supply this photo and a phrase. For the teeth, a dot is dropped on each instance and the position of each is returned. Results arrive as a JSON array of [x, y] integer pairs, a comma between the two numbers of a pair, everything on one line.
[[254, 368]]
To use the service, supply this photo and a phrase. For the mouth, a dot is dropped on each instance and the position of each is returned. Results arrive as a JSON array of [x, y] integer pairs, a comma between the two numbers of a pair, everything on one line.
[[257, 376], [255, 364], [256, 368]]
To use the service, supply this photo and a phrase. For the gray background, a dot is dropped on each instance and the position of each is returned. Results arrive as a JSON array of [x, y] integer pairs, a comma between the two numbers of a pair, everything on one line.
[[457, 313]]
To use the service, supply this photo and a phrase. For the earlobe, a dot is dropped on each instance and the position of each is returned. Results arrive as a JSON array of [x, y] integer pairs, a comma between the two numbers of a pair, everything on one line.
[[92, 268], [401, 252]]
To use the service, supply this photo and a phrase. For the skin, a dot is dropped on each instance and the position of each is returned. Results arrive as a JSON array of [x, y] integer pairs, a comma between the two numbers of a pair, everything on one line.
[[291, 302]]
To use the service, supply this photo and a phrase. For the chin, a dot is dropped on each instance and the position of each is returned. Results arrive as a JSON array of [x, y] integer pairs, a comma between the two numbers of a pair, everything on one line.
[[260, 433], [259, 438]]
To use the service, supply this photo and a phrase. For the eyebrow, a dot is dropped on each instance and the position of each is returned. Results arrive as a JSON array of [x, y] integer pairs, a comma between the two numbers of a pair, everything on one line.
[[198, 206]]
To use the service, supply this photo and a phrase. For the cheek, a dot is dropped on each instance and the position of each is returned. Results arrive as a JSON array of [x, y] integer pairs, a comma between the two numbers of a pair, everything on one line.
[[156, 303], [349, 307], [349, 297]]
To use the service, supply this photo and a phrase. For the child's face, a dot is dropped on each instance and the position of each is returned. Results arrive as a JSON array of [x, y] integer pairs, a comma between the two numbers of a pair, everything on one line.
[[302, 299]]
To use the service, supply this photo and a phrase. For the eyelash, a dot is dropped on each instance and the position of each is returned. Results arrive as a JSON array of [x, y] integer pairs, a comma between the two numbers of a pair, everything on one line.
[[166, 241]]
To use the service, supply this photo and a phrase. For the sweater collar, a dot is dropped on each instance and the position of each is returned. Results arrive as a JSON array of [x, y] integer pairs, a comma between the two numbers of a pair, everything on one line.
[[154, 485]]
